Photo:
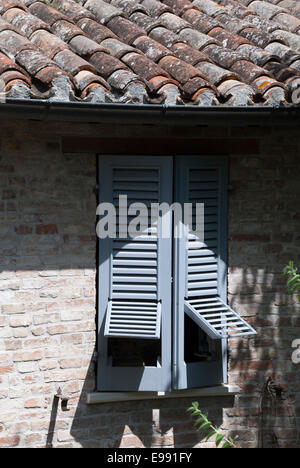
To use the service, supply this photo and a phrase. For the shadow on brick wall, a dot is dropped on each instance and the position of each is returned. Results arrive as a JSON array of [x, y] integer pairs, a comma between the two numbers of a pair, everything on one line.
[[162, 423], [264, 237]]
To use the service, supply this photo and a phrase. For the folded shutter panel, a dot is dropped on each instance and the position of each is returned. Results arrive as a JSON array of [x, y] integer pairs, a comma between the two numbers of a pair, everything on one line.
[[205, 281], [135, 320], [216, 318]]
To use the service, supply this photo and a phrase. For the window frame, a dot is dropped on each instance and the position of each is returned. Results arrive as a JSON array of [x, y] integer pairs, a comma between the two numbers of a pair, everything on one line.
[[177, 373]]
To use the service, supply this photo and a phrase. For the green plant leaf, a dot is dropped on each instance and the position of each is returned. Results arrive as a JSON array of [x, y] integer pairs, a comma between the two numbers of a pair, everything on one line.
[[210, 435], [198, 421], [219, 439], [205, 426], [226, 445], [294, 287]]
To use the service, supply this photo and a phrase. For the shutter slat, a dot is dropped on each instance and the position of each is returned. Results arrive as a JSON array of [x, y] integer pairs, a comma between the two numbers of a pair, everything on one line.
[[135, 271], [133, 263], [135, 279]]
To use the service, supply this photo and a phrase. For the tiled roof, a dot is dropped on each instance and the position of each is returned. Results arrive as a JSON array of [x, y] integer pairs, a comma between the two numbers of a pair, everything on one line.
[[183, 52]]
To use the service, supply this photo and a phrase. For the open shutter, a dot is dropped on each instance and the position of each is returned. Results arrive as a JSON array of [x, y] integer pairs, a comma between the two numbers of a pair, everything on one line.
[[135, 273], [201, 279], [205, 293], [216, 318]]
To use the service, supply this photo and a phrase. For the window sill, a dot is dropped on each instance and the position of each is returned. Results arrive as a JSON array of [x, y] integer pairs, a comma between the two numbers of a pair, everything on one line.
[[110, 397]]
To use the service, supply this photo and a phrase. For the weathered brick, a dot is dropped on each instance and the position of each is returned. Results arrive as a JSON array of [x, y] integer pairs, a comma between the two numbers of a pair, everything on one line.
[[13, 308], [20, 321], [6, 369], [9, 441], [24, 356], [33, 403], [27, 367], [46, 229], [23, 230], [72, 363]]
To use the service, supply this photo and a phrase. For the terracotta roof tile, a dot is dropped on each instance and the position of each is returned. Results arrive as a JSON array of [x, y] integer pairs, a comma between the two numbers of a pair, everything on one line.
[[73, 10], [227, 38], [8, 4], [72, 63], [120, 79], [151, 48], [6, 64], [46, 13], [49, 43], [66, 30], [142, 66], [128, 7], [257, 37], [106, 64], [11, 77], [125, 30], [26, 23], [32, 60], [48, 74], [104, 12], [84, 46], [12, 43], [84, 79], [155, 8], [200, 52], [200, 21], [247, 71], [145, 22], [117, 48], [179, 6], [216, 74], [180, 70], [95, 30], [188, 54]]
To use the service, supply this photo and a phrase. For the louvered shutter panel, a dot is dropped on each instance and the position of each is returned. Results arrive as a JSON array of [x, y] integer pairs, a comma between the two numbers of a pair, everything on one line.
[[205, 282], [200, 267], [135, 273], [134, 308]]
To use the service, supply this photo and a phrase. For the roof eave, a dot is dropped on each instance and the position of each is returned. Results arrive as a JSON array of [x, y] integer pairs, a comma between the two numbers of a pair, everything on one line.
[[148, 114]]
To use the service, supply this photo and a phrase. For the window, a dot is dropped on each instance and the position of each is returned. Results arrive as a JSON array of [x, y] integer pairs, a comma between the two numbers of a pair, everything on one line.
[[163, 317]]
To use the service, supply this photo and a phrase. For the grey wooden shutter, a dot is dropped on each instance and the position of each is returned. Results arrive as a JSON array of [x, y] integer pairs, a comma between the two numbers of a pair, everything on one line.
[[134, 309], [201, 279], [135, 273], [205, 282], [216, 318]]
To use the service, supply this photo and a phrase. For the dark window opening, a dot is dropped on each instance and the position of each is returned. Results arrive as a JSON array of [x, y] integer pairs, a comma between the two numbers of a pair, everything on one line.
[[128, 352], [198, 346]]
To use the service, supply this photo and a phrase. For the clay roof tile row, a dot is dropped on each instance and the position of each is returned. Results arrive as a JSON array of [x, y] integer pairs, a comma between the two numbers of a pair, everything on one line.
[[199, 52]]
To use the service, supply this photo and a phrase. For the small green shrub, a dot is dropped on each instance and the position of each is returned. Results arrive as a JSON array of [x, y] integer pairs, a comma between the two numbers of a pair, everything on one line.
[[204, 425], [291, 272]]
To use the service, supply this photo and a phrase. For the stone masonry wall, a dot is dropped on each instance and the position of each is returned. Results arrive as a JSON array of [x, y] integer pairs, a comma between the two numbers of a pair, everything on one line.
[[48, 296]]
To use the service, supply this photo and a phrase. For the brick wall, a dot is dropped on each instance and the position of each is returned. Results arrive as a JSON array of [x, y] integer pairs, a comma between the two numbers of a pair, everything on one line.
[[47, 290]]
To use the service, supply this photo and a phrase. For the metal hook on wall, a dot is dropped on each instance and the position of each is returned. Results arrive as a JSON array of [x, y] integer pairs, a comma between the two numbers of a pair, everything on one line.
[[64, 399]]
